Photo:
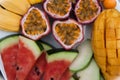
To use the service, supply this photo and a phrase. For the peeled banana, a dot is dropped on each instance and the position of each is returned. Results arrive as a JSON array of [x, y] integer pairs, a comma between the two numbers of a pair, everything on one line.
[[17, 6], [9, 21], [35, 1]]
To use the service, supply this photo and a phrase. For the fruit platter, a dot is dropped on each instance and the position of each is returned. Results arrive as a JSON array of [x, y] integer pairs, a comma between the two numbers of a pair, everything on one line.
[[59, 39]]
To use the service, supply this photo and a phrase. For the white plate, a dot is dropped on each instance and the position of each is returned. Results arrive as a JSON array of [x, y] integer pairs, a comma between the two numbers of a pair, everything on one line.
[[50, 38]]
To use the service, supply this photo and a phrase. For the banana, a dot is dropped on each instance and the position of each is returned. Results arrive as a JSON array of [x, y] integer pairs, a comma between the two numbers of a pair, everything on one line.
[[17, 6], [35, 1], [9, 21]]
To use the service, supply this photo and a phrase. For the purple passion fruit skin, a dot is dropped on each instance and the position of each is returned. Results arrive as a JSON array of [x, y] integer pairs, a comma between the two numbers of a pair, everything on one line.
[[68, 33], [86, 11], [58, 9], [35, 24]]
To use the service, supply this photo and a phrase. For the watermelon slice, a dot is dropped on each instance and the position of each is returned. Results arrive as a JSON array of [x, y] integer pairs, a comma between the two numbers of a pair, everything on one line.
[[66, 75], [58, 63], [39, 68], [18, 55], [8, 50], [27, 55]]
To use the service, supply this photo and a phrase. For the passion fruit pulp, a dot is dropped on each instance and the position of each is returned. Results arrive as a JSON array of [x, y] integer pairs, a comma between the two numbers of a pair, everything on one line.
[[87, 11], [58, 8], [35, 24], [67, 33]]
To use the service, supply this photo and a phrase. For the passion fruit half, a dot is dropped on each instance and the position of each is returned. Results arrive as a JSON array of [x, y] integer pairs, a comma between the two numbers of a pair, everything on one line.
[[58, 8], [35, 24], [67, 33], [86, 11]]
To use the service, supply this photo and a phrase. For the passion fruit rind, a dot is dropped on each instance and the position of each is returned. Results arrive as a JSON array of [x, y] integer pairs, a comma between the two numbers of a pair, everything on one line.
[[68, 35], [101, 5], [56, 16], [87, 17], [36, 34]]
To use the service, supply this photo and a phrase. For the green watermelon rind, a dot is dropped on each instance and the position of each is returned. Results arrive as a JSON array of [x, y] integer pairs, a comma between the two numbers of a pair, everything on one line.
[[72, 78], [62, 55], [8, 41], [47, 46], [31, 45]]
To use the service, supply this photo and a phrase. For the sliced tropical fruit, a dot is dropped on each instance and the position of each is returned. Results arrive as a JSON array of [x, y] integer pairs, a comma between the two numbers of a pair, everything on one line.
[[27, 55], [35, 1], [67, 75], [8, 50], [58, 8], [35, 24], [16, 6], [92, 72], [39, 68], [67, 33], [87, 11], [106, 43], [9, 21], [18, 56], [58, 63], [84, 56]]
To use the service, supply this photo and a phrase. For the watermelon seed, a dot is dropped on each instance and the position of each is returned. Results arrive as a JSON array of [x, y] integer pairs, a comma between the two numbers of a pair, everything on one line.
[[18, 68], [51, 78], [37, 71]]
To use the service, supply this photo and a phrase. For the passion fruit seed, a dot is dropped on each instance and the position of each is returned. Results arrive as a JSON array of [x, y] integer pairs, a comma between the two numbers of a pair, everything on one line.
[[68, 32], [59, 7], [87, 10], [34, 23]]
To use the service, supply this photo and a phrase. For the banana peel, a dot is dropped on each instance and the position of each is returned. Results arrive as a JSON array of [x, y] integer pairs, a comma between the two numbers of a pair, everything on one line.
[[9, 21], [35, 1], [17, 6]]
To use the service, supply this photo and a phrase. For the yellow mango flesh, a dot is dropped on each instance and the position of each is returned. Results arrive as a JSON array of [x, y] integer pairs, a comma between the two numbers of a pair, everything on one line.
[[106, 43]]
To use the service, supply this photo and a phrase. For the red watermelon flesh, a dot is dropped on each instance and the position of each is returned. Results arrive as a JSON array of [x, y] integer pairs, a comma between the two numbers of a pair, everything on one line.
[[39, 68], [66, 75], [25, 61], [9, 61], [55, 69]]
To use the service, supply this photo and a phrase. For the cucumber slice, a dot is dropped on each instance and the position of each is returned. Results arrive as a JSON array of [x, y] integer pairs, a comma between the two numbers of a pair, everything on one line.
[[84, 56], [92, 72]]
